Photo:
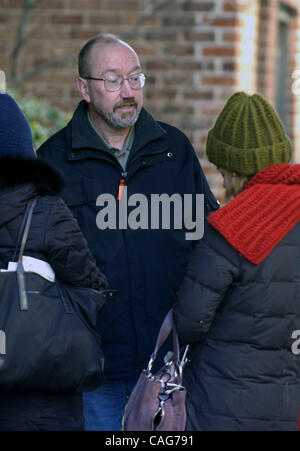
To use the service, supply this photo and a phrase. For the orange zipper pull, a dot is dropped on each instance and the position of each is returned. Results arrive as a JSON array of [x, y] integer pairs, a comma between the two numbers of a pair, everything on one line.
[[121, 186]]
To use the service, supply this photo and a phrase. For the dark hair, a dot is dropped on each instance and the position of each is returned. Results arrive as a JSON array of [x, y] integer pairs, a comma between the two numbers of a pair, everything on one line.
[[83, 57]]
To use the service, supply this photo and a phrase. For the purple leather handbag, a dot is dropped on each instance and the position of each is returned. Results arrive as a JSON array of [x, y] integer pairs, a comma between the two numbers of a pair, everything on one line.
[[157, 402]]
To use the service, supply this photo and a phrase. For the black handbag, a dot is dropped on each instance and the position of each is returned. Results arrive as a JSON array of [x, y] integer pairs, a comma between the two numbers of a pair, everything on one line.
[[157, 402], [49, 339]]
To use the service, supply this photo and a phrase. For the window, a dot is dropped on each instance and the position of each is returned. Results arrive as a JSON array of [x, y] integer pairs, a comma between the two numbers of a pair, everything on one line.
[[285, 15]]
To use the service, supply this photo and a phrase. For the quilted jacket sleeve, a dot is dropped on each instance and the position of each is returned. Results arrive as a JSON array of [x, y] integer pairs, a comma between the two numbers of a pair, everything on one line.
[[67, 250], [211, 271]]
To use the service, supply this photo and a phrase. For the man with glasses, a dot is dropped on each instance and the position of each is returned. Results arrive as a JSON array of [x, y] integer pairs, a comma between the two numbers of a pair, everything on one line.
[[113, 142]]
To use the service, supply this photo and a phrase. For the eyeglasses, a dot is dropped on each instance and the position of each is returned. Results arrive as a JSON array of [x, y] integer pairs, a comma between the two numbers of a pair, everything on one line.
[[115, 82]]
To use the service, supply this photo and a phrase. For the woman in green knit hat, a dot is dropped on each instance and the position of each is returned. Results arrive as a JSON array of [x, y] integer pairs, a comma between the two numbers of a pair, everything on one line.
[[248, 136], [239, 305]]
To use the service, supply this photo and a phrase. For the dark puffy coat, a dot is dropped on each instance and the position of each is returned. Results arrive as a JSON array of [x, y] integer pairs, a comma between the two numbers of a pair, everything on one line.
[[56, 238], [240, 316], [145, 266]]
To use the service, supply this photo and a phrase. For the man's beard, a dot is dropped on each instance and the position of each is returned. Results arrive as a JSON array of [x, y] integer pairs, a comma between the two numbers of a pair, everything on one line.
[[119, 122], [128, 119]]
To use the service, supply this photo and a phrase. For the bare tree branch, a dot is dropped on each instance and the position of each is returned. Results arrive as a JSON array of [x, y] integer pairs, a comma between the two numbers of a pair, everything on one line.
[[34, 30], [33, 3], [42, 67], [19, 41], [151, 7], [149, 11], [21, 36]]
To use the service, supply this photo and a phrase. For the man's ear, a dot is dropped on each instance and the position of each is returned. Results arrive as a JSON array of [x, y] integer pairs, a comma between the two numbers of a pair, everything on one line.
[[83, 88]]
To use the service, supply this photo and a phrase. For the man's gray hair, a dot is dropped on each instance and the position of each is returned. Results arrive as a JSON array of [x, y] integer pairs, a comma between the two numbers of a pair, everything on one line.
[[83, 57]]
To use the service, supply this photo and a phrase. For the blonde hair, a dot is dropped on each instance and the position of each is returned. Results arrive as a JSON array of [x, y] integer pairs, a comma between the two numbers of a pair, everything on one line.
[[235, 187]]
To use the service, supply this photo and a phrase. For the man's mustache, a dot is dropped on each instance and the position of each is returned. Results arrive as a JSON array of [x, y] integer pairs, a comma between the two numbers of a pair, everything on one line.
[[125, 103]]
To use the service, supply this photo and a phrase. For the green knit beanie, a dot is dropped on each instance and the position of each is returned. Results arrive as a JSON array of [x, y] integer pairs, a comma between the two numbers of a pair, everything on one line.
[[247, 136]]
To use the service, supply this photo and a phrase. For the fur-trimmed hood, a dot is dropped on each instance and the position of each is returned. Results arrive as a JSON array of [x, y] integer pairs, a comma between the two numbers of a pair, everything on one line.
[[18, 171], [21, 179]]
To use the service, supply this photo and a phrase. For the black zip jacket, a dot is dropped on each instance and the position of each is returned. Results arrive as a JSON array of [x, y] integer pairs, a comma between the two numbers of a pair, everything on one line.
[[144, 265], [54, 237]]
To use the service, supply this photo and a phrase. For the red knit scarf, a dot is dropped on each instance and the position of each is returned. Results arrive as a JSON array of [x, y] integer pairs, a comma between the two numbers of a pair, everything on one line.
[[263, 213]]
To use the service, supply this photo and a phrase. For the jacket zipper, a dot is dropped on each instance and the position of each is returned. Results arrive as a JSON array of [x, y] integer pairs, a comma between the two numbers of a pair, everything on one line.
[[121, 185]]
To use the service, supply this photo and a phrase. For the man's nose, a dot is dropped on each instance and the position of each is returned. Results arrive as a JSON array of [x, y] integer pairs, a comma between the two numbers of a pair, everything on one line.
[[126, 90]]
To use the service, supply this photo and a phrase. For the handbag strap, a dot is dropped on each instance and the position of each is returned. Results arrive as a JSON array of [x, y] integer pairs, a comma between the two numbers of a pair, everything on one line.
[[167, 326], [20, 268], [28, 217], [21, 228]]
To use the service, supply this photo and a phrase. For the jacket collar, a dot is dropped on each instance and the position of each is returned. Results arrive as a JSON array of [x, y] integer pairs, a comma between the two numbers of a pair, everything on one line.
[[83, 134], [84, 137]]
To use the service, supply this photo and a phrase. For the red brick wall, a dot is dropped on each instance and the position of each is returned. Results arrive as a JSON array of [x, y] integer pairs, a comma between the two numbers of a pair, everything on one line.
[[188, 48]]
